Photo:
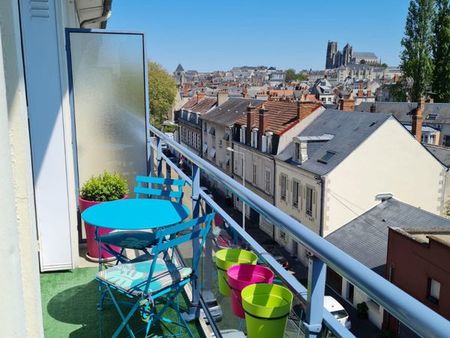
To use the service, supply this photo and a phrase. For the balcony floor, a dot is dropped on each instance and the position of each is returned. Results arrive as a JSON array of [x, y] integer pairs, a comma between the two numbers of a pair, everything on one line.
[[69, 307]]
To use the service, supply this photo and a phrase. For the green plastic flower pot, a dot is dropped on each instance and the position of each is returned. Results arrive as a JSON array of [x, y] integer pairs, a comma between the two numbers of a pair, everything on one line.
[[225, 259], [267, 307]]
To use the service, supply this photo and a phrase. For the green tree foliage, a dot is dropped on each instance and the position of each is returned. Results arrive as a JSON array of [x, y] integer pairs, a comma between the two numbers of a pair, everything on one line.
[[441, 52], [416, 60], [162, 92], [291, 76]]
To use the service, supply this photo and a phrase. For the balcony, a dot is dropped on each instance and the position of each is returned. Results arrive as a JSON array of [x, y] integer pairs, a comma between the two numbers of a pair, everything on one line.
[[69, 298]]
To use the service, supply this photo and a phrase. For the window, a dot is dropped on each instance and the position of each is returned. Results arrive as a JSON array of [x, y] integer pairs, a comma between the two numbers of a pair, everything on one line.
[[295, 193], [283, 187], [254, 174], [205, 127], [297, 152], [431, 116], [434, 289], [446, 141], [310, 201], [268, 182], [254, 139], [328, 156], [242, 134]]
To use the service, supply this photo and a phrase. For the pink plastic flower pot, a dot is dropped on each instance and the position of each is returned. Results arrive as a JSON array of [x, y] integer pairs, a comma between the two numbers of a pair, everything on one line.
[[241, 275], [92, 245]]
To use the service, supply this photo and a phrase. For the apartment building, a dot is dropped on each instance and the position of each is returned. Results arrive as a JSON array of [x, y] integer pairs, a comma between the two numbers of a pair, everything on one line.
[[259, 136], [334, 168], [189, 122]]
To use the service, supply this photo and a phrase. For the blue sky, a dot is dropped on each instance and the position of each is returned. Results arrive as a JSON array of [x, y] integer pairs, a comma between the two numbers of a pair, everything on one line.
[[218, 34]]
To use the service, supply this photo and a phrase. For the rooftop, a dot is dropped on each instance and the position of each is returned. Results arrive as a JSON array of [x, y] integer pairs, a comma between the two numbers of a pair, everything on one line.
[[230, 111], [366, 237], [200, 105], [349, 130]]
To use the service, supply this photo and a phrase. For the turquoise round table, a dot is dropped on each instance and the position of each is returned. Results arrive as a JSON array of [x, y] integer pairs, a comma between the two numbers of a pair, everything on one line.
[[135, 214]]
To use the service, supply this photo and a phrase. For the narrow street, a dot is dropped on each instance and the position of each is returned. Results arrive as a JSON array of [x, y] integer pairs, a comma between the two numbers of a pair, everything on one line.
[[360, 327]]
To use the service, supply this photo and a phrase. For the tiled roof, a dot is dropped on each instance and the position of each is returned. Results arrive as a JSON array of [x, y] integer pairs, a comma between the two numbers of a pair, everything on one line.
[[349, 130], [230, 111], [365, 238], [202, 106], [280, 116]]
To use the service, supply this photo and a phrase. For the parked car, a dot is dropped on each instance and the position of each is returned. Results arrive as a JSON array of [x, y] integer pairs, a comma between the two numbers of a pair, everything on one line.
[[337, 310]]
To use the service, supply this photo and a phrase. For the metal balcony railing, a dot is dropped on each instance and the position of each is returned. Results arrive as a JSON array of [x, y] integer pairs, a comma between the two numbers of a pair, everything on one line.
[[412, 313]]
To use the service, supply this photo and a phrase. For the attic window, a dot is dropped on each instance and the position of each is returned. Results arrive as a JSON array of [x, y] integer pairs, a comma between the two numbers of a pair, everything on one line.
[[432, 116], [325, 158]]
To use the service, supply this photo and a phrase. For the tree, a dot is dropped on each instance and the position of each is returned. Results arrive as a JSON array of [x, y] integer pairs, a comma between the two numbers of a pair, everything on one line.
[[290, 75], [162, 91], [441, 52], [416, 61]]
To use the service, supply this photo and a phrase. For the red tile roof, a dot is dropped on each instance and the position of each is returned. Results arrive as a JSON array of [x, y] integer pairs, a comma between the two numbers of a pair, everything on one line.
[[280, 116], [200, 106]]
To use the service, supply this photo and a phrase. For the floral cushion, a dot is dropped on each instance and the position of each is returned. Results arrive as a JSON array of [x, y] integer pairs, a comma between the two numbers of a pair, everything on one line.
[[132, 278]]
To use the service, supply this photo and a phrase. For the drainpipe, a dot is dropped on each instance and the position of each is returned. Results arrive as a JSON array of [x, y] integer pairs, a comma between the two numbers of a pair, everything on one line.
[[322, 204], [105, 16]]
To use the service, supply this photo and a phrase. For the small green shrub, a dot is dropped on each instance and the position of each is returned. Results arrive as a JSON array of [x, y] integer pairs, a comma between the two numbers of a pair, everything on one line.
[[363, 310], [104, 187]]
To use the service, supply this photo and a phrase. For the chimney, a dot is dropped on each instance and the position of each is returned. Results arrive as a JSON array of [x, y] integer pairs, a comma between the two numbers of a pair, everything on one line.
[[347, 104], [262, 125], [200, 95], [373, 108], [360, 90], [417, 119], [306, 107], [185, 90], [222, 97], [250, 120], [245, 92]]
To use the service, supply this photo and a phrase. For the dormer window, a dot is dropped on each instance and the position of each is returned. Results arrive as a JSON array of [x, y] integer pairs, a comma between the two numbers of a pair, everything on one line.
[[297, 151], [242, 134], [254, 139]]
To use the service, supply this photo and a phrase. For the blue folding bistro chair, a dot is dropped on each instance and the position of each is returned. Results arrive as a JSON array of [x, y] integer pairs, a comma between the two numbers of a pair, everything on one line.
[[153, 187], [158, 281]]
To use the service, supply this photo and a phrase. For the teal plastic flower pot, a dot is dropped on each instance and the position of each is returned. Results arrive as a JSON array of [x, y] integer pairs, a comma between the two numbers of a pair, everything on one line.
[[267, 307]]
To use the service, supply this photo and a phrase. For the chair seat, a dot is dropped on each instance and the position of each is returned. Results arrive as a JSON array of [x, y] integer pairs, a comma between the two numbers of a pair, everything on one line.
[[131, 278], [129, 239]]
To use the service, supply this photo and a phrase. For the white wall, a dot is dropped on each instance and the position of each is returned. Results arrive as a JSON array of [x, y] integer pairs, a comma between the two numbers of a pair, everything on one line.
[[304, 178], [390, 160], [20, 302]]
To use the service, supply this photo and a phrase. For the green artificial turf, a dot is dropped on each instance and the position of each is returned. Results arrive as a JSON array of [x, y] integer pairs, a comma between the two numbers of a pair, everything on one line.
[[69, 301]]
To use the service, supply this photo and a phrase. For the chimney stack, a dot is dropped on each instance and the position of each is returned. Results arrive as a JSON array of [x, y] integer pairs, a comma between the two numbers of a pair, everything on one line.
[[245, 92], [222, 97], [417, 119], [262, 125], [347, 104], [306, 107], [250, 120], [360, 90], [200, 95]]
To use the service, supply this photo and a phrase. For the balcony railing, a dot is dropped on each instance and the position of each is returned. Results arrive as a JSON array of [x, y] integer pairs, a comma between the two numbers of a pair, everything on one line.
[[412, 313]]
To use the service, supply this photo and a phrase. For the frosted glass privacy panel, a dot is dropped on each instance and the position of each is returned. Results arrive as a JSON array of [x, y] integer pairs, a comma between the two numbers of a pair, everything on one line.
[[109, 103]]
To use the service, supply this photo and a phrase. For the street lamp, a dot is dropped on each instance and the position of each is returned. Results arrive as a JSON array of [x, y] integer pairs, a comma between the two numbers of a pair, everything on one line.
[[243, 181]]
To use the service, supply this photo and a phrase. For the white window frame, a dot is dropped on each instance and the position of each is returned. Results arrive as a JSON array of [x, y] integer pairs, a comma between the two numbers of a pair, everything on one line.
[[296, 194], [310, 195]]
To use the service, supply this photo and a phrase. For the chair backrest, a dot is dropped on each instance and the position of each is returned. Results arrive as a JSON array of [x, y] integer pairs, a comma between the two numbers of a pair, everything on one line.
[[146, 186], [177, 235]]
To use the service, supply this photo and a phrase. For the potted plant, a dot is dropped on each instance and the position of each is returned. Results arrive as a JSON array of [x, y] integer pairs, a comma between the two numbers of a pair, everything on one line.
[[98, 189]]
